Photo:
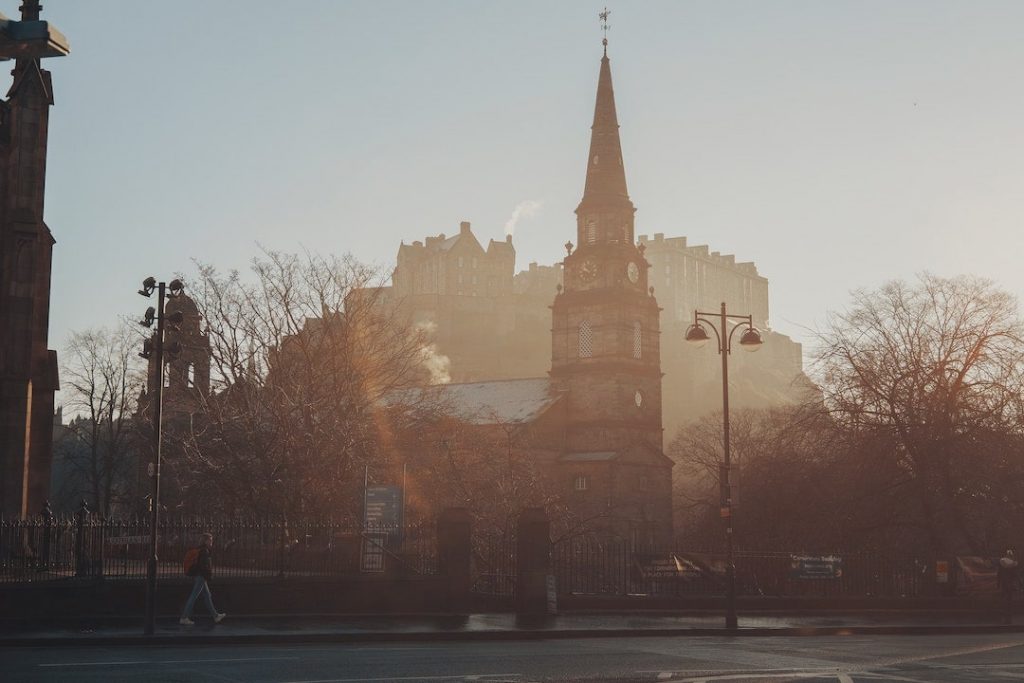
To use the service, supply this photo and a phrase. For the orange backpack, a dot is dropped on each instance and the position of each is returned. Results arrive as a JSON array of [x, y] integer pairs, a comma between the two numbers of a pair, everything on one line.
[[191, 557]]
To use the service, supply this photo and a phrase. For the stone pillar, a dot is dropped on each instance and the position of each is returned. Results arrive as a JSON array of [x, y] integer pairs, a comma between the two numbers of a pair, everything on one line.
[[454, 554], [535, 589], [15, 431]]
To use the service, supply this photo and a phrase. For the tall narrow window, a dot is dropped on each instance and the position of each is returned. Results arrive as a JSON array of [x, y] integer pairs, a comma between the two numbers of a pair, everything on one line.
[[191, 376], [591, 231], [586, 339], [638, 340], [580, 483], [167, 375]]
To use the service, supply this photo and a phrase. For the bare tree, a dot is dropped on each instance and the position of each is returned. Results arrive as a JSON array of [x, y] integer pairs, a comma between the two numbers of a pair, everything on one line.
[[301, 358], [797, 483], [932, 374], [101, 381]]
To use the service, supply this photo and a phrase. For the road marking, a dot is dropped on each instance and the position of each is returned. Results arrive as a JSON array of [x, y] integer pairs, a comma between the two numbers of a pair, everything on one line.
[[454, 677], [169, 661]]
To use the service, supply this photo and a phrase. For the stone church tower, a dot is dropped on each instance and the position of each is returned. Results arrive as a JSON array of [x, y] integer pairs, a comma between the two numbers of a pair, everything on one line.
[[28, 369], [605, 342]]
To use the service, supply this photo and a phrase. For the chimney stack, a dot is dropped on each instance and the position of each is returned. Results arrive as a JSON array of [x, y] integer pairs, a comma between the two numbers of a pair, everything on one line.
[[464, 228]]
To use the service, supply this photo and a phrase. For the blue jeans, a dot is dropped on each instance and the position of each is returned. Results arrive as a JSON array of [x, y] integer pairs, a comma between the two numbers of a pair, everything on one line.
[[199, 587]]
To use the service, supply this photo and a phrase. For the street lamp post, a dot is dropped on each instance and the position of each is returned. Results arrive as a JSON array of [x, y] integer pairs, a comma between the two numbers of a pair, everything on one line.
[[154, 346], [750, 340]]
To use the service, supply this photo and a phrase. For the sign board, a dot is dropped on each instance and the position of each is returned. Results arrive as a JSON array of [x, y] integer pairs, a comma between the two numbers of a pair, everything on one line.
[[382, 523], [815, 567], [383, 507], [941, 571], [127, 540]]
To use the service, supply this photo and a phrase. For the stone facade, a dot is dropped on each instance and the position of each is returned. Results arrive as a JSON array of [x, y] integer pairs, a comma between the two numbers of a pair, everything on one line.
[[28, 368]]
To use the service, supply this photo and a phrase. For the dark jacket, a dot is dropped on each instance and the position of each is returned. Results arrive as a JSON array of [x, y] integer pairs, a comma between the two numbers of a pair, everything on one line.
[[204, 564], [1007, 575]]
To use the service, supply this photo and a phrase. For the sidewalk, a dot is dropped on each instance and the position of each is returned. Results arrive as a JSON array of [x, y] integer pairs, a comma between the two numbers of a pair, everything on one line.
[[241, 629]]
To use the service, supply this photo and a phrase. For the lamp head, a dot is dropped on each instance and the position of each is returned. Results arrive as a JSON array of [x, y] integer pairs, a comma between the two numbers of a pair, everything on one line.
[[147, 349], [697, 336], [751, 339], [148, 285], [148, 317], [176, 287]]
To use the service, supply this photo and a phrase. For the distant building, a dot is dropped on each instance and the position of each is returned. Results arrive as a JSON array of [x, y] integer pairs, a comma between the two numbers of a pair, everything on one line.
[[489, 332]]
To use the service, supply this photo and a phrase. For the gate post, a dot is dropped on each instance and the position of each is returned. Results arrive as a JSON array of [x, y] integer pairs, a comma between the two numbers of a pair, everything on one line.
[[535, 585], [454, 554]]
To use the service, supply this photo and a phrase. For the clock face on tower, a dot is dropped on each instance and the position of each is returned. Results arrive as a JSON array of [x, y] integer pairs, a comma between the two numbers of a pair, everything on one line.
[[588, 270], [633, 271]]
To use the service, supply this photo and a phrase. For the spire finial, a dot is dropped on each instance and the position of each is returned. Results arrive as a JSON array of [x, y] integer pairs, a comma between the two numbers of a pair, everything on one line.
[[603, 16], [30, 10]]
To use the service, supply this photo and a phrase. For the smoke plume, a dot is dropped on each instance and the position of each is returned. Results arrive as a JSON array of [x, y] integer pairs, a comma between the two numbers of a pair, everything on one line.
[[524, 209], [435, 363]]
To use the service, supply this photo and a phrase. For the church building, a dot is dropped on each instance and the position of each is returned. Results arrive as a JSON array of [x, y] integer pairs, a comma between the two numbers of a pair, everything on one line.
[[596, 418]]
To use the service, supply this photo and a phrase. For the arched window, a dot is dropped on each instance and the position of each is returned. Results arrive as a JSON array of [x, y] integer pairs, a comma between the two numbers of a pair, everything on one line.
[[586, 339], [638, 340]]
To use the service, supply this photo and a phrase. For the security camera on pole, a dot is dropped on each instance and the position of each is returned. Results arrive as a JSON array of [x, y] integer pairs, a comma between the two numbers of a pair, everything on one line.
[[155, 345]]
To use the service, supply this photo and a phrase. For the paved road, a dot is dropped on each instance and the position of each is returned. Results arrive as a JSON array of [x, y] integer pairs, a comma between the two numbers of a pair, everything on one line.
[[908, 659]]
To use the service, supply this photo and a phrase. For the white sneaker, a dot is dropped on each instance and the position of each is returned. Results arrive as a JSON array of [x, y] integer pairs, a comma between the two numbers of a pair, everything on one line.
[[219, 617], [185, 621]]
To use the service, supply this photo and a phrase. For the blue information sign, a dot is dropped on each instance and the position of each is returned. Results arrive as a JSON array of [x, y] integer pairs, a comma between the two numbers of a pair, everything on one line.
[[383, 507]]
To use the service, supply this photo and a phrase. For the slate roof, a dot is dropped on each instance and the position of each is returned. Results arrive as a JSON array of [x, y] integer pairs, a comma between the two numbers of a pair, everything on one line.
[[590, 456], [511, 401]]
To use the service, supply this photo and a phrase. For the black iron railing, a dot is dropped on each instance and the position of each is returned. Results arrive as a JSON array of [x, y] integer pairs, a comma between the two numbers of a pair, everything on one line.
[[83, 545], [595, 566]]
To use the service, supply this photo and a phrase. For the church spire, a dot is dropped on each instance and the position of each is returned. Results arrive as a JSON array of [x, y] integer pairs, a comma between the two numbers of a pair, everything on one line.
[[606, 176], [605, 214]]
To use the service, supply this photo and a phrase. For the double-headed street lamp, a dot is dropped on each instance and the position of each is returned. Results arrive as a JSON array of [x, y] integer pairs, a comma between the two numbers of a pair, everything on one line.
[[750, 340], [154, 346]]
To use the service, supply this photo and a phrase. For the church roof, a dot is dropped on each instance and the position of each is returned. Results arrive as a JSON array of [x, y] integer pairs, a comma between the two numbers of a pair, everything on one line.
[[589, 456], [511, 401]]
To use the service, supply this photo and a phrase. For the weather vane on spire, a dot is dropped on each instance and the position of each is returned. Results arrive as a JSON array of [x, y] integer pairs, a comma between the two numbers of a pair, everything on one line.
[[603, 16]]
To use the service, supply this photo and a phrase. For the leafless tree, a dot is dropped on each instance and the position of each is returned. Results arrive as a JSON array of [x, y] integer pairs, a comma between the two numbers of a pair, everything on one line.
[[301, 357], [101, 379], [931, 372]]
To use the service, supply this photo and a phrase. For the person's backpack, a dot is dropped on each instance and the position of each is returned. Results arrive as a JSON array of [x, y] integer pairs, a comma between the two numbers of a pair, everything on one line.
[[191, 558]]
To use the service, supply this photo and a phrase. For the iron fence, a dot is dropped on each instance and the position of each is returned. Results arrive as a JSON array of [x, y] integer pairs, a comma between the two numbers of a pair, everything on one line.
[[596, 566], [493, 563], [83, 545]]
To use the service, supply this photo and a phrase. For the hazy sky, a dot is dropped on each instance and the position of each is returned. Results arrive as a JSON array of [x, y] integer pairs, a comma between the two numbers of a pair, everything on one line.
[[836, 144]]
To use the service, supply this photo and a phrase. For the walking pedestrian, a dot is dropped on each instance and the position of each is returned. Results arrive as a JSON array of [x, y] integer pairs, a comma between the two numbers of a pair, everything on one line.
[[199, 565], [1007, 579]]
